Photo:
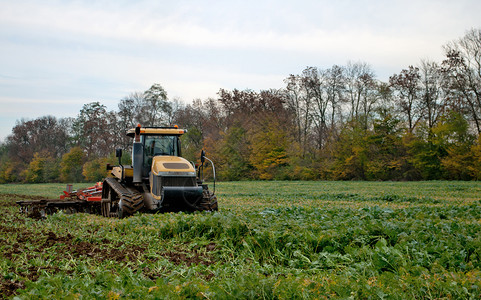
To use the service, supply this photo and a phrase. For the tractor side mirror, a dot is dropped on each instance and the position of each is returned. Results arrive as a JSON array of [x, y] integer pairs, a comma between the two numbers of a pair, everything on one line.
[[118, 153], [202, 156]]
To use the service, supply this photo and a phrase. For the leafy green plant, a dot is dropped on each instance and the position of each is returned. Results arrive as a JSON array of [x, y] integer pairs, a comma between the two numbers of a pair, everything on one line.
[[269, 240]]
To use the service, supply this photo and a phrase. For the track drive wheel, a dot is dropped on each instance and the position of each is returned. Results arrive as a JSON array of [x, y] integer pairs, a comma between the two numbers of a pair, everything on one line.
[[105, 207], [109, 206]]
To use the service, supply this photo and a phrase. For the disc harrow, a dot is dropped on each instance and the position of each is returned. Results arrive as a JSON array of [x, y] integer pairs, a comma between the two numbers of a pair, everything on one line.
[[86, 200]]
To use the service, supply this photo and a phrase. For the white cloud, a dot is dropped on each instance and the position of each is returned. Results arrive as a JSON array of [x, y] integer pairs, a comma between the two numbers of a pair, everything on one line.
[[141, 25], [78, 51]]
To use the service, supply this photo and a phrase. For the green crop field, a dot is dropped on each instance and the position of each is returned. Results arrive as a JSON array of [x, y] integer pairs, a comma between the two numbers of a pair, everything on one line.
[[269, 240]]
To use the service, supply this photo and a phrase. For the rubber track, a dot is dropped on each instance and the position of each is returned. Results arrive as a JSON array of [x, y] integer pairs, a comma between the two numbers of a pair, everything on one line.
[[131, 201], [116, 186], [209, 202]]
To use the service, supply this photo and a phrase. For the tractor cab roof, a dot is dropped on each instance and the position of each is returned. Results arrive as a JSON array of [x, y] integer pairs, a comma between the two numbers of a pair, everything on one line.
[[157, 131]]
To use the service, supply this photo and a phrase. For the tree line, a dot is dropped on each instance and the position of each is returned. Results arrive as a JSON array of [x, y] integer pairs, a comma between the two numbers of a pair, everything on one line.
[[339, 123]]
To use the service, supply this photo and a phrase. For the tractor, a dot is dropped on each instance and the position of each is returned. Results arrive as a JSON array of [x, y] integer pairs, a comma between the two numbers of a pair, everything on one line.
[[158, 180]]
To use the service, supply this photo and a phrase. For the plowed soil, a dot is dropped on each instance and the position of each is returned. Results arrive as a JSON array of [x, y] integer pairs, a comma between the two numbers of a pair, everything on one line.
[[22, 245]]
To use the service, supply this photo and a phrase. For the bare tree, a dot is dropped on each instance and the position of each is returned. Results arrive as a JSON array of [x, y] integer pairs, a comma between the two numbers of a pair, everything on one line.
[[313, 83], [361, 91], [462, 72], [92, 130], [176, 105], [335, 88], [156, 106], [130, 109], [406, 88], [299, 103], [431, 94]]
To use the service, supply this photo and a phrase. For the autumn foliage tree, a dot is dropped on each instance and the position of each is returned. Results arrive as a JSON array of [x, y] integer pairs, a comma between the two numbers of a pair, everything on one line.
[[42, 168], [269, 150], [45, 134], [338, 122], [71, 165]]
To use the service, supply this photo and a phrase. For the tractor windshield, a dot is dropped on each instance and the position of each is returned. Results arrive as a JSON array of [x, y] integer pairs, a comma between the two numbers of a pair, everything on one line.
[[155, 145]]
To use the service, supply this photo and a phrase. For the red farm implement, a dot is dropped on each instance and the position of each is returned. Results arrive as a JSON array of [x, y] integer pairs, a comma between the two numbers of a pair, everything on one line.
[[83, 200]]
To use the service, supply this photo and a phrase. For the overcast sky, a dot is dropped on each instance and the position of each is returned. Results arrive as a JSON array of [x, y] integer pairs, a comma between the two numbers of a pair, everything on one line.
[[56, 56]]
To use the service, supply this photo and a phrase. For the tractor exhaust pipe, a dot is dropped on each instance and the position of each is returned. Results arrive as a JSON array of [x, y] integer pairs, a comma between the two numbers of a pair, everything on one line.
[[137, 156]]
